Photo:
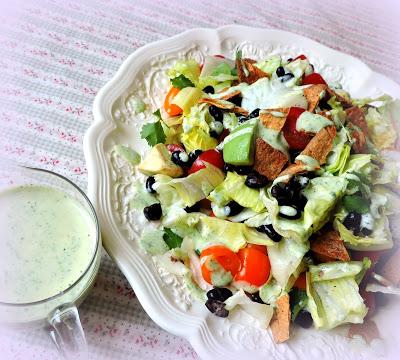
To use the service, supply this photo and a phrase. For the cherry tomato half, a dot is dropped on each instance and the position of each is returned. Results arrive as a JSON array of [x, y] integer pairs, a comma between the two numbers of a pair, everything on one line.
[[301, 282], [212, 156], [172, 109], [297, 140], [255, 267], [221, 254], [261, 248], [314, 79]]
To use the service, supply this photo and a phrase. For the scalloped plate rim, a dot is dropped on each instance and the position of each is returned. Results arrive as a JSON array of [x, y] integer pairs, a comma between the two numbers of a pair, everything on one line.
[[200, 335]]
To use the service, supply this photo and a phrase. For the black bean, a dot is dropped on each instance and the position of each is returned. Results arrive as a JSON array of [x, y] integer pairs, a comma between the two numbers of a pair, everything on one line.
[[287, 77], [214, 134], [301, 181], [296, 216], [283, 193], [237, 100], [256, 181], [270, 232], [352, 222], [193, 155], [176, 158], [243, 119], [365, 231], [216, 113], [209, 89], [304, 319], [220, 294], [149, 184], [300, 202], [255, 113], [244, 170], [217, 308], [280, 71], [294, 153], [255, 297], [229, 167], [153, 212], [193, 208], [234, 208]]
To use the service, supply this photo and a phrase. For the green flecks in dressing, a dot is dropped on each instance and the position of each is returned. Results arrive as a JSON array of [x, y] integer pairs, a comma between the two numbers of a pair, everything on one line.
[[311, 163], [311, 123], [219, 276], [48, 240]]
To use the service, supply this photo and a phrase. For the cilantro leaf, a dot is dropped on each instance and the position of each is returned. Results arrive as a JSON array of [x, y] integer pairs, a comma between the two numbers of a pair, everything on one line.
[[173, 240], [157, 113], [298, 301], [153, 133], [356, 203], [181, 82]]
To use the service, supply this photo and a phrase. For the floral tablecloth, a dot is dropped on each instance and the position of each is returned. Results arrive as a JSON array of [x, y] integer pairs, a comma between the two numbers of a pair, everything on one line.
[[56, 55]]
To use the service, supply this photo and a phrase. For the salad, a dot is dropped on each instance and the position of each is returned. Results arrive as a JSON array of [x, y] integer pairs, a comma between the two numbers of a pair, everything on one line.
[[271, 191]]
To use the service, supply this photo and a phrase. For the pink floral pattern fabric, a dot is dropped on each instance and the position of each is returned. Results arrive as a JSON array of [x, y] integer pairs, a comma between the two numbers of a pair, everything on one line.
[[57, 54]]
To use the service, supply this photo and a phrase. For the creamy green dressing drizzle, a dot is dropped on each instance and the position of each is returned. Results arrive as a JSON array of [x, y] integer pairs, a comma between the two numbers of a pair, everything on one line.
[[310, 162], [311, 123], [274, 138]]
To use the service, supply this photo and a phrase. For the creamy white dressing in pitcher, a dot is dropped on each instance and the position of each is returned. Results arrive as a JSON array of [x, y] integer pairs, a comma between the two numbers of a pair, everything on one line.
[[47, 241]]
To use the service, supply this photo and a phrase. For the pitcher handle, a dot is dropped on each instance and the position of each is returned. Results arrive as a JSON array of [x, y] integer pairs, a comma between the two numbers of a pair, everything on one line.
[[67, 332]]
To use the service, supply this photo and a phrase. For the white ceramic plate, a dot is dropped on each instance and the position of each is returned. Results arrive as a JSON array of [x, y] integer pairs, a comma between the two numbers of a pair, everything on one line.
[[163, 296]]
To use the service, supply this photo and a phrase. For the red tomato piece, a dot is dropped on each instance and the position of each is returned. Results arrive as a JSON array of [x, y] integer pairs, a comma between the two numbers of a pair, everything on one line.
[[261, 248], [175, 147], [255, 267], [301, 282], [314, 79], [172, 109], [301, 57], [213, 157], [297, 140], [221, 254]]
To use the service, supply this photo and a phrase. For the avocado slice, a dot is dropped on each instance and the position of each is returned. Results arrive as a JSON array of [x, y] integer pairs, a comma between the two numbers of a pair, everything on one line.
[[158, 161], [239, 145]]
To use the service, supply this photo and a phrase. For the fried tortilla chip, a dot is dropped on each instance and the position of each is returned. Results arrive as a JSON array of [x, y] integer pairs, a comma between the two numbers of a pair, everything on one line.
[[391, 268], [343, 101], [313, 95], [328, 246], [294, 169], [368, 330], [356, 116], [280, 323], [274, 118], [225, 105], [268, 161], [219, 103], [321, 144], [231, 95], [247, 72], [360, 141]]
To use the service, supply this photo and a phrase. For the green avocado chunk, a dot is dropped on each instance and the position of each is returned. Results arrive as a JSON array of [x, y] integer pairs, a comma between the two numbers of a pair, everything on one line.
[[239, 145]]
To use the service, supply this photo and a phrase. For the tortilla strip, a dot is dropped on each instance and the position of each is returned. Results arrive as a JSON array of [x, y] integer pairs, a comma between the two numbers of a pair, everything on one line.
[[357, 117], [271, 121], [391, 268], [240, 110], [268, 161], [245, 66], [368, 330], [281, 320], [231, 95], [343, 101], [360, 141], [328, 246], [221, 104], [321, 144], [313, 95], [294, 169]]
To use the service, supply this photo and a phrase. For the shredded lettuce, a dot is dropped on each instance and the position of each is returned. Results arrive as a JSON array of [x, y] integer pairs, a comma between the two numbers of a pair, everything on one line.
[[361, 165], [198, 139], [269, 65], [322, 194], [380, 127], [333, 294], [199, 117], [271, 291], [234, 188], [339, 154], [188, 68], [285, 259]]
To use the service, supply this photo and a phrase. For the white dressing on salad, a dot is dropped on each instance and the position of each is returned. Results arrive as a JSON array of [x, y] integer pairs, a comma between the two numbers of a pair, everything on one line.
[[274, 138], [311, 163], [265, 93], [311, 123]]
